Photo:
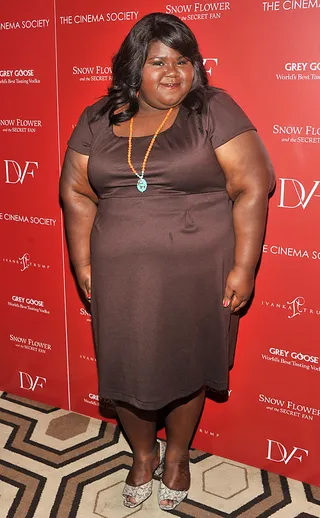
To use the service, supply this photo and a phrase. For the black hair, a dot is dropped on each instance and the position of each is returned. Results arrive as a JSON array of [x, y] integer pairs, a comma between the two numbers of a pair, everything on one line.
[[131, 57]]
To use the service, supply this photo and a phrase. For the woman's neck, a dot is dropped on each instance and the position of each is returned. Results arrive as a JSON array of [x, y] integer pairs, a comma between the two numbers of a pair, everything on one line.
[[145, 109]]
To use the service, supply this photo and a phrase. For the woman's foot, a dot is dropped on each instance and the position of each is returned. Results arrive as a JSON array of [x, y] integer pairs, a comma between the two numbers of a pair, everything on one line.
[[176, 476], [141, 472]]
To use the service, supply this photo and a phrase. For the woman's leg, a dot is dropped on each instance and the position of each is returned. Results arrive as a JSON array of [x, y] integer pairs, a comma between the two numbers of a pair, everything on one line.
[[181, 421], [140, 427]]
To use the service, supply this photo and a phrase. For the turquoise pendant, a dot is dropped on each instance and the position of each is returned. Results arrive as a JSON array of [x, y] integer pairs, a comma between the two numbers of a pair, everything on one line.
[[142, 185]]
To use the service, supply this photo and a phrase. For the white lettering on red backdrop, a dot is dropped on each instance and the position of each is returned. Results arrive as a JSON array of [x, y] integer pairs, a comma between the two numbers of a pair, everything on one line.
[[293, 193], [27, 382], [277, 452], [16, 173]]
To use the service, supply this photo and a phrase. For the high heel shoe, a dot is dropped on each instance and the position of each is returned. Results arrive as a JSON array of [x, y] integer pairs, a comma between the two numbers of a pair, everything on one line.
[[165, 493], [162, 453], [143, 492]]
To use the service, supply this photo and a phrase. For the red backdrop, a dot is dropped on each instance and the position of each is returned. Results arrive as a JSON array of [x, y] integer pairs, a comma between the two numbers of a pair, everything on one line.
[[55, 60]]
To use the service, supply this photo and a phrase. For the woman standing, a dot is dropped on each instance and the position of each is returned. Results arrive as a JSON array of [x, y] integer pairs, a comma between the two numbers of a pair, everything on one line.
[[165, 189]]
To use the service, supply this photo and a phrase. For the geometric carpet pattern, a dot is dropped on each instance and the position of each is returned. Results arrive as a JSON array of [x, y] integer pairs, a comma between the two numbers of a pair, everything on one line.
[[58, 464]]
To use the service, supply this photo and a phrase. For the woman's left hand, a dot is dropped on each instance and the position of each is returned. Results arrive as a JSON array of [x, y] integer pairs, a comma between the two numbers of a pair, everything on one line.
[[239, 287]]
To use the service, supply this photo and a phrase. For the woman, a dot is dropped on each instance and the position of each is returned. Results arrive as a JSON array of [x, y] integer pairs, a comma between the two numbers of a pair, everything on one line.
[[165, 190]]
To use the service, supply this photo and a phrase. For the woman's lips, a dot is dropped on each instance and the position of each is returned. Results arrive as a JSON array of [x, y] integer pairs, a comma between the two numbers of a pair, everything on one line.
[[171, 85]]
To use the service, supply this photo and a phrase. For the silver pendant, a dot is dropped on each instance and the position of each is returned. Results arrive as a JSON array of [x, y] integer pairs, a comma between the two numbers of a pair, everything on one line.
[[142, 185]]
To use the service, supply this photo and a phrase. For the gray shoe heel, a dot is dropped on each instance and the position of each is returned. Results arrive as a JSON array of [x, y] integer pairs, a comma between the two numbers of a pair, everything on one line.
[[158, 472]]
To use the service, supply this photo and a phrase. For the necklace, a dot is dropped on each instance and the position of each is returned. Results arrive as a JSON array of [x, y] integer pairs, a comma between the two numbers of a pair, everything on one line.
[[141, 183]]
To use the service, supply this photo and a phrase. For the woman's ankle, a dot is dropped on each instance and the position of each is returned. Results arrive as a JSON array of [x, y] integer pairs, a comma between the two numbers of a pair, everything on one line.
[[144, 456], [177, 455]]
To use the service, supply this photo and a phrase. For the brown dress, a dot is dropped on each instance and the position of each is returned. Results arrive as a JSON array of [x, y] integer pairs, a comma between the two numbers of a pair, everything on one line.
[[160, 258]]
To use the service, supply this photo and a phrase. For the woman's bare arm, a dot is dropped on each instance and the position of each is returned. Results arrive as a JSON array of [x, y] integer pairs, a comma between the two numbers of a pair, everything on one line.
[[79, 207], [250, 179]]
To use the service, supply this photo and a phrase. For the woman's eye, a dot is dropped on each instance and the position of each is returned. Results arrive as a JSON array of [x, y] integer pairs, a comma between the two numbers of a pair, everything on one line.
[[157, 63], [182, 62]]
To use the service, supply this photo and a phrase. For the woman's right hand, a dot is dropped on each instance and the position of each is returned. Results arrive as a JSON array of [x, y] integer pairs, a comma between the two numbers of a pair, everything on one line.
[[83, 274]]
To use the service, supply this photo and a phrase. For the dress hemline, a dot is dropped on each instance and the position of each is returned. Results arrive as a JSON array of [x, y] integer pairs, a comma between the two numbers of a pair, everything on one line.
[[144, 405]]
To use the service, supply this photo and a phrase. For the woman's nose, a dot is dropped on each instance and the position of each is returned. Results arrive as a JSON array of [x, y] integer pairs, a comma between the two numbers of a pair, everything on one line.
[[172, 69]]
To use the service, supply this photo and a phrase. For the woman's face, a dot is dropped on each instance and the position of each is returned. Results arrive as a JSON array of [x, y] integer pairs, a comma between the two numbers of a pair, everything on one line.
[[166, 77]]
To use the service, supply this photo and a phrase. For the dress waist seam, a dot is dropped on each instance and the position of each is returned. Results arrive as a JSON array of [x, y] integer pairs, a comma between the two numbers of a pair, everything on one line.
[[171, 195]]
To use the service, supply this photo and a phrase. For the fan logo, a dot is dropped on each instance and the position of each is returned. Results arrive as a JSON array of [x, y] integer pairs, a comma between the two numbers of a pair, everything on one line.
[[88, 70], [93, 73], [297, 134], [277, 452], [29, 383], [199, 10], [294, 194], [20, 125], [15, 173]]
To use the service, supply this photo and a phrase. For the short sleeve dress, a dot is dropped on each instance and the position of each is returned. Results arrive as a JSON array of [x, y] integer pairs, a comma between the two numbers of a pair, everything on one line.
[[160, 258]]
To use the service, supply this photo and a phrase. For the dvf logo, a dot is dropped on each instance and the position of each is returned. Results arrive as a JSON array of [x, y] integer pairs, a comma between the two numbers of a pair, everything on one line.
[[28, 383], [15, 173], [205, 61], [294, 194], [277, 452]]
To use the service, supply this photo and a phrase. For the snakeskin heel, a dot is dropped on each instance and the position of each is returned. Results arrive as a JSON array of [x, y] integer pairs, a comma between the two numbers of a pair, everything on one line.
[[143, 492], [174, 495], [158, 472]]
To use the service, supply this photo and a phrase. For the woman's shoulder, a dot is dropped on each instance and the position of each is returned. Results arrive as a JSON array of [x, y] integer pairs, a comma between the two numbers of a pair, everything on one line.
[[220, 104], [96, 110], [224, 117], [214, 95]]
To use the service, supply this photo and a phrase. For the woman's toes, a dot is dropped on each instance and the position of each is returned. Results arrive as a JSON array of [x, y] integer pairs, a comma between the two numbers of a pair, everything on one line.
[[130, 500], [166, 503]]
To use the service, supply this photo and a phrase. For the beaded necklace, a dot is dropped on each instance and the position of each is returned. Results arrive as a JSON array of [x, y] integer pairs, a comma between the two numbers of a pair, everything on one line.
[[141, 183]]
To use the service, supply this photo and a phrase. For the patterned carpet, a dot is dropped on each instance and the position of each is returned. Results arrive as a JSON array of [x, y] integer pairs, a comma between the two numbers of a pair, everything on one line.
[[57, 464]]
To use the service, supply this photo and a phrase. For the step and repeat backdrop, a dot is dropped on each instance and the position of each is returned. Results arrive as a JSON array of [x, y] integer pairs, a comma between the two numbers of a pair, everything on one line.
[[55, 60]]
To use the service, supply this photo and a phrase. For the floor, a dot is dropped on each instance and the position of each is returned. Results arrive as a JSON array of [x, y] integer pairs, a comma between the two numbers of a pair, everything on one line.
[[58, 464]]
